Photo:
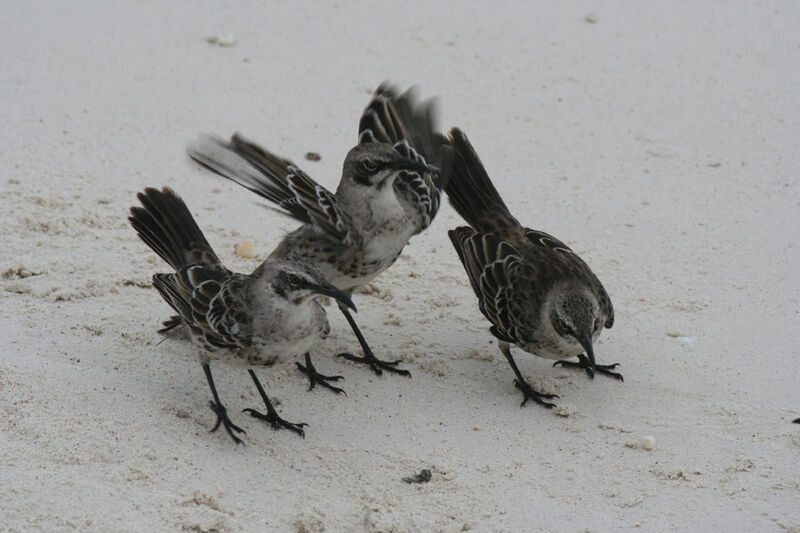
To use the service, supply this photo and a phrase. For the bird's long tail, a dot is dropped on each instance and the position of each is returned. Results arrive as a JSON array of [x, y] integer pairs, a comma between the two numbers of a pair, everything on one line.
[[470, 190], [166, 225]]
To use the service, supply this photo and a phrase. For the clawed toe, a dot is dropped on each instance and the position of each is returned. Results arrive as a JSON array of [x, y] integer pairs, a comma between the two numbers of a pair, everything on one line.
[[315, 377], [223, 420], [529, 393], [277, 422], [583, 363], [376, 364], [606, 371]]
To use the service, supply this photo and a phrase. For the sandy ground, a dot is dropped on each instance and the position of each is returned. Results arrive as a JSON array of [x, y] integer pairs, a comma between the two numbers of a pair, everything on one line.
[[659, 141]]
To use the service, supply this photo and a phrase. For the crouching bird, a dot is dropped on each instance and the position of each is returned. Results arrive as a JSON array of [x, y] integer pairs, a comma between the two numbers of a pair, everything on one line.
[[537, 293]]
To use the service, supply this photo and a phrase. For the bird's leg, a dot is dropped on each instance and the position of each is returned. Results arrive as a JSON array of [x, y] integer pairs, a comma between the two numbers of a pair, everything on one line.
[[528, 392], [219, 410], [369, 358], [272, 415], [583, 362], [315, 377]]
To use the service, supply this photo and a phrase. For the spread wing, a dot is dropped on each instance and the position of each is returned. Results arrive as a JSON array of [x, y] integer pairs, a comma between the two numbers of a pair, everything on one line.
[[274, 178], [319, 204], [491, 265], [419, 196], [389, 119], [410, 128]]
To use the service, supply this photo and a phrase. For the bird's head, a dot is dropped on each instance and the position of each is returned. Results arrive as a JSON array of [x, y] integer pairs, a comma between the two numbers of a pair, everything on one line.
[[297, 281], [375, 164], [576, 318]]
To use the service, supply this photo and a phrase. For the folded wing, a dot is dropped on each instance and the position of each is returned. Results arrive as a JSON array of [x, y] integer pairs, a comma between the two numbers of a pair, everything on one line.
[[491, 264]]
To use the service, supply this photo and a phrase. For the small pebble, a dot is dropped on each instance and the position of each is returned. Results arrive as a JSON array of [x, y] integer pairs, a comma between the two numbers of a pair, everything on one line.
[[688, 341], [564, 410], [423, 477], [649, 442], [313, 156], [245, 249], [224, 40]]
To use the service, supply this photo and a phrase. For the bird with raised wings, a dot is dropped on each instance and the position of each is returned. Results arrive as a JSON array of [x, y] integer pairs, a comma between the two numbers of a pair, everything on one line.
[[389, 191]]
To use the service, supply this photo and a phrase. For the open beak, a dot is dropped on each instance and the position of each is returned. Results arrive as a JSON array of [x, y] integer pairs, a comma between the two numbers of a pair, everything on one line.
[[329, 290], [586, 342]]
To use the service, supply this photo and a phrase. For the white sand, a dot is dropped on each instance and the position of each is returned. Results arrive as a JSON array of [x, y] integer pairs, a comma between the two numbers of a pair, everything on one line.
[[661, 142]]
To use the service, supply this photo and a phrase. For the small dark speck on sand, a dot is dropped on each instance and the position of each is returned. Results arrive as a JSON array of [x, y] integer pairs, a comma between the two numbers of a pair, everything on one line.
[[423, 477], [313, 156]]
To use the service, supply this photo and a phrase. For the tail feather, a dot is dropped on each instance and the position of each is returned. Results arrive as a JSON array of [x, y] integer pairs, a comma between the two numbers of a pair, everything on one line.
[[470, 190], [166, 225], [167, 286], [171, 324]]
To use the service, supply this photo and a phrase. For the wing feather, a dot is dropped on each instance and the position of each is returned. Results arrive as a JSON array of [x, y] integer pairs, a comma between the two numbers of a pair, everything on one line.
[[275, 179], [211, 303], [545, 240], [320, 205], [491, 264]]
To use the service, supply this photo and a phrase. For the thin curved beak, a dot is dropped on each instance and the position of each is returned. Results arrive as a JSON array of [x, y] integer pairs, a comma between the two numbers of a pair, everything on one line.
[[586, 342], [327, 289]]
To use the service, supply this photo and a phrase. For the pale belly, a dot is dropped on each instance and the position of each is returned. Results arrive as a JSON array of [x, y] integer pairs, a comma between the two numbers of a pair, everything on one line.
[[264, 354], [303, 332], [383, 235], [379, 253]]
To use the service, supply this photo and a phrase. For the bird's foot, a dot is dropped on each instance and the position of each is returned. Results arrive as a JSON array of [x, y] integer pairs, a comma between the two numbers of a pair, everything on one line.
[[583, 362], [315, 377], [529, 393], [376, 364], [223, 420], [276, 421]]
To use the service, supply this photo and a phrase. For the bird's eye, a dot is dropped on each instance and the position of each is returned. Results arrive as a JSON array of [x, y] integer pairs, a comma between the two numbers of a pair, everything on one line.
[[368, 166], [562, 325], [294, 279]]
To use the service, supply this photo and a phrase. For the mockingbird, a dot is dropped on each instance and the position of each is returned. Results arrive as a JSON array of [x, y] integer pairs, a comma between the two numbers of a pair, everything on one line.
[[245, 320], [389, 191], [536, 292]]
